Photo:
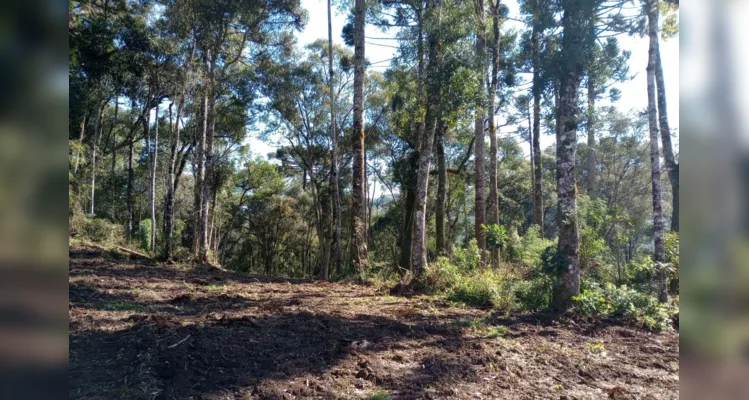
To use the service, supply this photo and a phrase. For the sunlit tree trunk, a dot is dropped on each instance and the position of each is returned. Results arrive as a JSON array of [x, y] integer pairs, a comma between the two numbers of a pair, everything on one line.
[[419, 256], [113, 141], [591, 159], [672, 167], [659, 253], [334, 156], [479, 204], [358, 197], [152, 190], [576, 14], [94, 151], [199, 177], [207, 178], [439, 210], [78, 154]]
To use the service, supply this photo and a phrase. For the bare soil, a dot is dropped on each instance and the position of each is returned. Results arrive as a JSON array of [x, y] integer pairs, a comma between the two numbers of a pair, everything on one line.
[[141, 330]]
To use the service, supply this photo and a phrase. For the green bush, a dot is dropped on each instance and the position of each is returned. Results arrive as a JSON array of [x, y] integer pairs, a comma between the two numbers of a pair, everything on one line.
[[532, 246], [623, 303], [468, 258], [144, 234], [484, 289], [534, 294], [442, 275], [97, 230]]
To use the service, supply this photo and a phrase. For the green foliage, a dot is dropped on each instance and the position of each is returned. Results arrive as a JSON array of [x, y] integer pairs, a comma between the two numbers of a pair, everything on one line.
[[379, 396], [484, 288], [534, 294], [468, 258], [623, 303], [443, 275], [496, 236], [97, 230], [144, 234], [532, 246]]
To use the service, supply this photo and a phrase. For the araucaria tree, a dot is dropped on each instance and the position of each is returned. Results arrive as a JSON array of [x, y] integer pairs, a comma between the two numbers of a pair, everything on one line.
[[659, 252], [359, 188], [576, 18]]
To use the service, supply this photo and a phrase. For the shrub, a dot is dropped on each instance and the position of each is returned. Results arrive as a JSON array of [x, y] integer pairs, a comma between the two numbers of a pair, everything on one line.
[[484, 289], [534, 294], [531, 246], [466, 259], [442, 275], [97, 230], [144, 234], [623, 303]]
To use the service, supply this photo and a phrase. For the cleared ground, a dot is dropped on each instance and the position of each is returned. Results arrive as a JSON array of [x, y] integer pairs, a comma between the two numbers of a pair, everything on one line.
[[140, 330]]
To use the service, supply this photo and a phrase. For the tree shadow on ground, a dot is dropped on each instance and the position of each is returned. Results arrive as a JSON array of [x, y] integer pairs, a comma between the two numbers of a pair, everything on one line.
[[159, 357]]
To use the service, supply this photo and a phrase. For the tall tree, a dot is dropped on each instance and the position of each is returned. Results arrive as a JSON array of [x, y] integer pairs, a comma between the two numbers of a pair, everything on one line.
[[537, 90], [419, 256], [493, 203], [152, 181], [359, 195], [334, 155], [576, 17], [672, 167], [659, 252], [481, 112]]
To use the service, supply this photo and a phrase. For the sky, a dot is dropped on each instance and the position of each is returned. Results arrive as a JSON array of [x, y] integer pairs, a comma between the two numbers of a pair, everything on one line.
[[634, 93]]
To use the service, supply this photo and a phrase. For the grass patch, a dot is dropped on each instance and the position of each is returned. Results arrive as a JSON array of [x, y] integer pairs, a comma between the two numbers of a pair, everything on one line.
[[215, 287], [596, 347], [379, 396], [496, 331]]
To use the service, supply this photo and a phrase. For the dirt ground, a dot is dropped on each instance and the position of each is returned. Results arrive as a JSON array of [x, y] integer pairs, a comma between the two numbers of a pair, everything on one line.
[[139, 330]]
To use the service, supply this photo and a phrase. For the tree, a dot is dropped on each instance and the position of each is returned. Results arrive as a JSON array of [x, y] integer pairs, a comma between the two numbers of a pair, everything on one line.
[[419, 255], [659, 252], [576, 17], [480, 113], [359, 194], [334, 156]]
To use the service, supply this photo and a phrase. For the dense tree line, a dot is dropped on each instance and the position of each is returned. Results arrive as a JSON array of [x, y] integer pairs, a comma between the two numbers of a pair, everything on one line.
[[375, 173]]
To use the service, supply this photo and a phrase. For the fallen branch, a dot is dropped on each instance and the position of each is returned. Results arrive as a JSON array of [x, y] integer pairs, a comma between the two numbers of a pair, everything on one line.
[[133, 252], [180, 342]]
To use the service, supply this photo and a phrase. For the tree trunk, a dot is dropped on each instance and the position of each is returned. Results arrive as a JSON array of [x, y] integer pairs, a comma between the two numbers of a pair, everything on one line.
[[80, 141], [171, 186], [659, 254], [94, 150], [441, 188], [591, 159], [154, 162], [199, 178], [480, 207], [358, 197], [576, 14], [419, 252], [672, 167], [334, 156], [493, 203], [208, 177], [113, 139], [538, 198], [130, 183], [409, 188]]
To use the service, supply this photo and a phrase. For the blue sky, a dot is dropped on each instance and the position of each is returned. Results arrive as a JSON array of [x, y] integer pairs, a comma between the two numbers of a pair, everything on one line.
[[634, 94]]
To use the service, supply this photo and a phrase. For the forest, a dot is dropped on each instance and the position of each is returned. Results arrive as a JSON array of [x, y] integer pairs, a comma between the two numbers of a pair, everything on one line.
[[488, 175]]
